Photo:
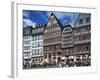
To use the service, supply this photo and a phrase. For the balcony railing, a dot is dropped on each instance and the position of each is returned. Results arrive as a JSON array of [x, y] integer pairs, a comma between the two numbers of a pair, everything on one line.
[[82, 41], [52, 43], [81, 33], [48, 52], [67, 45], [78, 53], [53, 51], [37, 55], [26, 57], [26, 50], [65, 35], [82, 52]]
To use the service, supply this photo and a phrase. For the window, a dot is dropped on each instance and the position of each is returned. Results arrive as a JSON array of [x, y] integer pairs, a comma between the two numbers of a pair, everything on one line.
[[80, 21], [36, 59], [87, 47], [37, 51], [42, 28], [45, 56], [38, 30], [49, 56], [58, 39], [36, 37], [26, 47], [41, 51], [41, 43], [54, 21], [33, 52], [26, 37], [84, 37], [26, 54], [38, 44], [87, 19], [35, 44], [33, 31], [41, 36], [88, 28], [52, 17], [26, 42], [58, 47]]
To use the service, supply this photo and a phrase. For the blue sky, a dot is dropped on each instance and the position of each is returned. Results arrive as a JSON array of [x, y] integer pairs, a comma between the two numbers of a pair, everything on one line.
[[31, 17]]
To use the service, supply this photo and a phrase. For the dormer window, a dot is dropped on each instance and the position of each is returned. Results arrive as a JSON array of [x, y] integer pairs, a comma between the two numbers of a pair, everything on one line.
[[81, 21]]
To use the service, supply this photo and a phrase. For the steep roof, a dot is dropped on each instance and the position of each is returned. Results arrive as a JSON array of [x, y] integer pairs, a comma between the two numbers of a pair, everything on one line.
[[81, 16], [61, 26], [27, 30]]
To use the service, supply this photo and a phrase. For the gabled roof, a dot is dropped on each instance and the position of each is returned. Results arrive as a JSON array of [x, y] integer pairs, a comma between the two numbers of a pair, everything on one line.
[[42, 27], [61, 26], [81, 16], [67, 25]]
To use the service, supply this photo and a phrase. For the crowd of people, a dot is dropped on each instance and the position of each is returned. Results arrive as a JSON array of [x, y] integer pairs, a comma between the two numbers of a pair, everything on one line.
[[67, 62]]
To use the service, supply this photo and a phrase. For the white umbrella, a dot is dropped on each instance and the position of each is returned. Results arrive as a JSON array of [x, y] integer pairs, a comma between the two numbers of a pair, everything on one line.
[[63, 58], [46, 60]]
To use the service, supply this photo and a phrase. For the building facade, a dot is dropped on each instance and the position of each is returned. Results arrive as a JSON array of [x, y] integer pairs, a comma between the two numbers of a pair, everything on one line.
[[37, 44], [52, 40], [53, 43], [27, 46], [76, 41], [73, 44], [33, 45], [82, 39]]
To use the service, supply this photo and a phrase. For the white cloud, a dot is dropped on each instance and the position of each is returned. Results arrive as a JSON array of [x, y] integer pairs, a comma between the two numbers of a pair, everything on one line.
[[28, 22], [26, 14]]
